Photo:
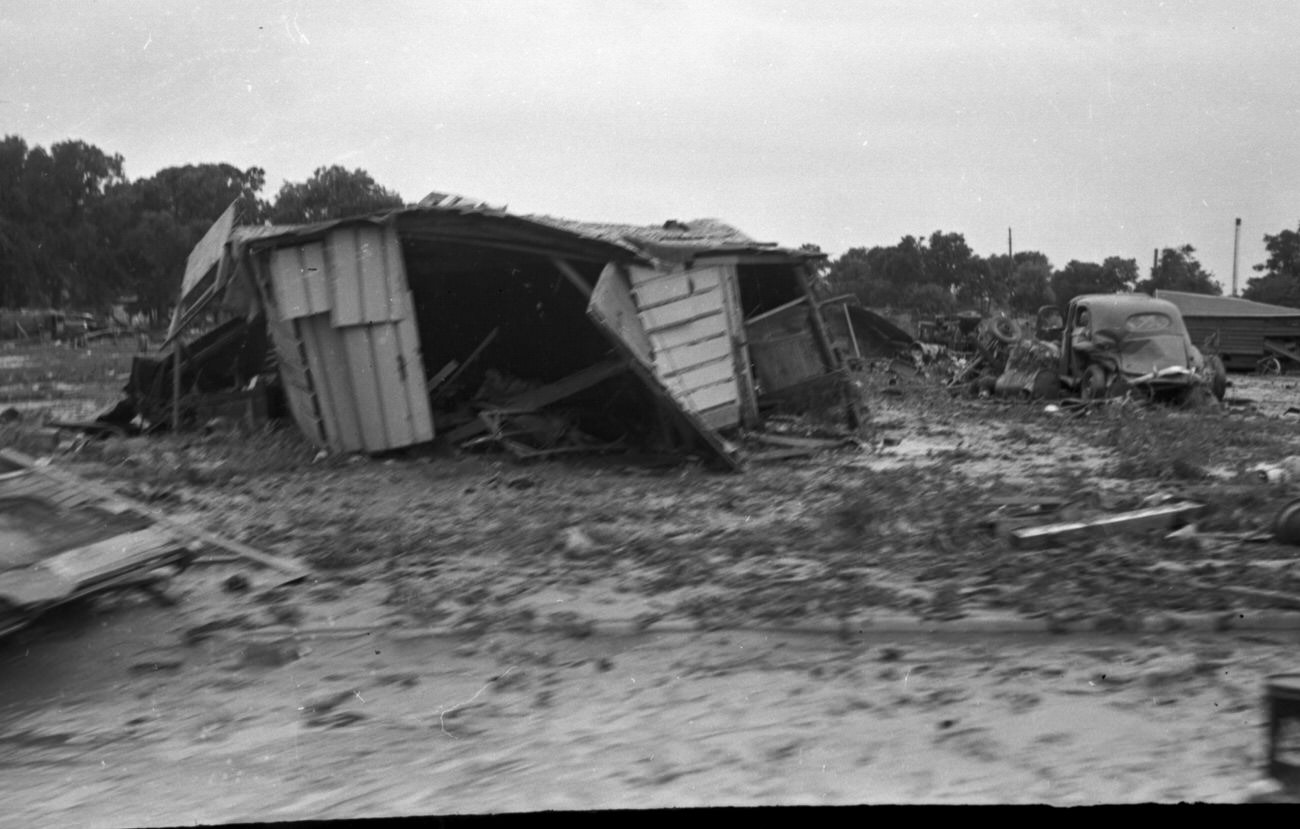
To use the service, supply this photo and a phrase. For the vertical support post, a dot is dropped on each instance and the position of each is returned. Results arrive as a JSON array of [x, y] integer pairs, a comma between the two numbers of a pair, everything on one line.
[[732, 304], [1236, 239], [176, 385]]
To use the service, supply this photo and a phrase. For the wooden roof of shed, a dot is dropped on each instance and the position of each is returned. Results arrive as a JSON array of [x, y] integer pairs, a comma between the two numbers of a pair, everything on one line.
[[1204, 305]]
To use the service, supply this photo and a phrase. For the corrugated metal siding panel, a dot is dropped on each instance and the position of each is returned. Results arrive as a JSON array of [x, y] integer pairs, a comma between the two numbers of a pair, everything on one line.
[[412, 362], [362, 369], [334, 389], [367, 275], [369, 399], [299, 280], [299, 393]]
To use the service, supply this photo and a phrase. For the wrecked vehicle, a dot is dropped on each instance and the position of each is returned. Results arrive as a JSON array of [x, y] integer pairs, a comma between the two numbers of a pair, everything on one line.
[[1132, 344], [957, 332], [59, 543]]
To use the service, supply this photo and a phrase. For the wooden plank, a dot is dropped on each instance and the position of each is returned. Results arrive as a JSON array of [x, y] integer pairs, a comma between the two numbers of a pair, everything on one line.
[[614, 310], [738, 339], [440, 376], [575, 279], [705, 375], [473, 355], [208, 251], [708, 397], [1168, 515], [691, 332], [683, 312], [280, 563], [721, 417], [677, 285], [104, 558], [639, 274], [683, 357], [800, 442], [546, 395]]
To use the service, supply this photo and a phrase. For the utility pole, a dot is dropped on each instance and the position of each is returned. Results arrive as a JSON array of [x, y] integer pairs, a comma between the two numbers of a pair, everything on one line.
[[1236, 241]]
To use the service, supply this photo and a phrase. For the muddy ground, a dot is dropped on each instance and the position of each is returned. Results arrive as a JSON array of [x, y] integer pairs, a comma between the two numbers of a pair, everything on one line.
[[480, 635]]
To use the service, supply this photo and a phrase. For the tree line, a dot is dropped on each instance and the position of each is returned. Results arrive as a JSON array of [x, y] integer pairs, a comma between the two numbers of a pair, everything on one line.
[[75, 232], [941, 274]]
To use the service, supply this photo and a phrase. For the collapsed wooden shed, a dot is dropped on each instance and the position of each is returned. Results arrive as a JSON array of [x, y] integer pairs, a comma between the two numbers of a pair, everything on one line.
[[389, 327], [1245, 334]]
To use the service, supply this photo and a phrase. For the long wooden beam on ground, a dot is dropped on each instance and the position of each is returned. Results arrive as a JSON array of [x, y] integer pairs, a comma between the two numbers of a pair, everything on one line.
[[1152, 518], [244, 551]]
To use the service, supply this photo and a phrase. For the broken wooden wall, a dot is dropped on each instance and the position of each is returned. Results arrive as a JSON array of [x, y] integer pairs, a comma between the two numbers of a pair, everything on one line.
[[686, 314]]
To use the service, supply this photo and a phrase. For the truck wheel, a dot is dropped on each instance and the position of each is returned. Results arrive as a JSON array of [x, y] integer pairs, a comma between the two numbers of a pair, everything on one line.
[[1005, 330]]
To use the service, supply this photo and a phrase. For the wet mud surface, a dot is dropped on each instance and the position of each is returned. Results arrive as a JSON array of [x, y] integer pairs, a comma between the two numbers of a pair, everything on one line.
[[110, 719], [479, 635]]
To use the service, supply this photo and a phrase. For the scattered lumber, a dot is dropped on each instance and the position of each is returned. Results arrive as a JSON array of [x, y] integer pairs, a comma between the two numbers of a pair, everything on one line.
[[284, 565], [1166, 516], [798, 442], [449, 382], [544, 396]]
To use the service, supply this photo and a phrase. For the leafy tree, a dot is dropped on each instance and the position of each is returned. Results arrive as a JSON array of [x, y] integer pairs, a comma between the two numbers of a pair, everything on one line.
[[894, 276], [1028, 280], [50, 245], [1178, 270], [168, 213], [201, 192], [1279, 282], [1113, 276], [331, 193], [929, 299]]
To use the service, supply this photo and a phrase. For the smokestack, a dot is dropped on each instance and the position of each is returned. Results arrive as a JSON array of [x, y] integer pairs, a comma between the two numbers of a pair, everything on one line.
[[1236, 241]]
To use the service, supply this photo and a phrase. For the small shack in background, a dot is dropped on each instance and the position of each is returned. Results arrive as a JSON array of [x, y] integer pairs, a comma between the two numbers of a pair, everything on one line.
[[459, 321], [1246, 335]]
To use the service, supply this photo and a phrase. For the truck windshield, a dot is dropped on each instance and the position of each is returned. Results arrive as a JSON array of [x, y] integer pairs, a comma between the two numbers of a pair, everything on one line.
[[1147, 322]]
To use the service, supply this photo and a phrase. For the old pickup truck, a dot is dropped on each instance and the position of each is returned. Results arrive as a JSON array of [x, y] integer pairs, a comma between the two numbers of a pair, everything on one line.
[[1132, 344]]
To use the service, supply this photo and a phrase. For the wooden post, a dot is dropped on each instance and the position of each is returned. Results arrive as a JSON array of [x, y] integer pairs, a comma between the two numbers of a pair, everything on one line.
[[176, 385], [571, 274], [828, 350]]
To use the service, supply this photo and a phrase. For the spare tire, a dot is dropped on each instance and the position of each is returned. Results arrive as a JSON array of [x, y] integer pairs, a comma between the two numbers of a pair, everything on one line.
[[1005, 330]]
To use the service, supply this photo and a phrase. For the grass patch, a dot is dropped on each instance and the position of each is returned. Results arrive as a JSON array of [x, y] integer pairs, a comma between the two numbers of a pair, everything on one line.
[[1180, 446]]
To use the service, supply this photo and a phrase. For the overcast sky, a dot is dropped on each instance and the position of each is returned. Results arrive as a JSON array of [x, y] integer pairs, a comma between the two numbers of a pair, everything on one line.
[[1090, 129]]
